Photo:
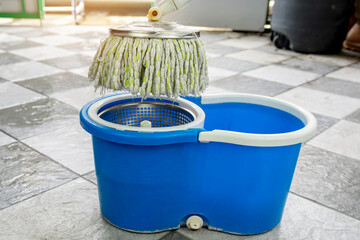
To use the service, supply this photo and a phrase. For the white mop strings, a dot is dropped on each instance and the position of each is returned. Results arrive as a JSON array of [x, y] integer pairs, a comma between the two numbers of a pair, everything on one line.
[[144, 66]]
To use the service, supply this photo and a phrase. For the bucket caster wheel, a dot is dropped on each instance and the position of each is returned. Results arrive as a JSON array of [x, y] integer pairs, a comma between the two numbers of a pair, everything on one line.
[[279, 40], [194, 222]]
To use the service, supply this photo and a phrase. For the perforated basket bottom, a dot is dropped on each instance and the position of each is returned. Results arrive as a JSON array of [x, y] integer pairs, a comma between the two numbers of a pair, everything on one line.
[[159, 114]]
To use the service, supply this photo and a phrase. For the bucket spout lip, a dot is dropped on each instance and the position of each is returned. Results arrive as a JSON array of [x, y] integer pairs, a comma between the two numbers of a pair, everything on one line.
[[260, 140]]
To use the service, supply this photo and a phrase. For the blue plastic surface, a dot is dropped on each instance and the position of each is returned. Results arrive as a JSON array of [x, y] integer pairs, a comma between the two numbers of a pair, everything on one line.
[[150, 187]]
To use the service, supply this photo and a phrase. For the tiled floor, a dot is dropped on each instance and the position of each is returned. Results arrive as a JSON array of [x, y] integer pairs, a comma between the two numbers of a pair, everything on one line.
[[47, 180]]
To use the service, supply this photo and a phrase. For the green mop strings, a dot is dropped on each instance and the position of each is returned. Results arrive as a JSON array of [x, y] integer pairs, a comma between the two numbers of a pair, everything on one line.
[[150, 66]]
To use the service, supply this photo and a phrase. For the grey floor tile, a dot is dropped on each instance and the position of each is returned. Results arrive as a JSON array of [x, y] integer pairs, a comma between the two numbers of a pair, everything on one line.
[[210, 90], [5, 139], [8, 58], [302, 219], [245, 84], [91, 176], [324, 122], [272, 49], [25, 173], [175, 235], [2, 80], [18, 45], [37, 117], [342, 87], [56, 83], [311, 66], [221, 49], [70, 146], [328, 178], [70, 211], [69, 62], [354, 117], [232, 64]]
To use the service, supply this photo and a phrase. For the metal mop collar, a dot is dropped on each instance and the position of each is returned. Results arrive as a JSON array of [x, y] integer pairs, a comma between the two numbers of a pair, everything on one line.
[[151, 58]]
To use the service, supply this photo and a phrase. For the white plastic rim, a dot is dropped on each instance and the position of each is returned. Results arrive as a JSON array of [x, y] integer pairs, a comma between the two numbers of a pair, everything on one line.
[[260, 140], [197, 123]]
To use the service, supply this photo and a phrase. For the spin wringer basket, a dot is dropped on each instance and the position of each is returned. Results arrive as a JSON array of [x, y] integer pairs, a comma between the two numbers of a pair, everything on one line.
[[224, 162]]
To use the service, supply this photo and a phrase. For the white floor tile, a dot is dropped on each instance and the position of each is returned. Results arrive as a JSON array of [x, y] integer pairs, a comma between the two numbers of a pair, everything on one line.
[[245, 42], [81, 71], [71, 147], [9, 38], [339, 60], [211, 55], [347, 73], [42, 53], [26, 70], [6, 20], [2, 51], [15, 29], [55, 40], [219, 73], [64, 30], [12, 94], [289, 76], [258, 56], [342, 138], [78, 97], [328, 104], [88, 53], [5, 139]]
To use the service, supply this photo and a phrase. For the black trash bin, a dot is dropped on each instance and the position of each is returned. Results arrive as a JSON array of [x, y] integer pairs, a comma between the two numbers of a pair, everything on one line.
[[311, 26]]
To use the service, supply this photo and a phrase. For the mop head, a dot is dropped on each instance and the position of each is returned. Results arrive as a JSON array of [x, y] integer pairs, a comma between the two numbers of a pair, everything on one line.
[[150, 66]]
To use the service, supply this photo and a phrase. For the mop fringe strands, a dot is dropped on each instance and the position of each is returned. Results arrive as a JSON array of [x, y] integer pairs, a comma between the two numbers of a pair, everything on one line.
[[151, 58]]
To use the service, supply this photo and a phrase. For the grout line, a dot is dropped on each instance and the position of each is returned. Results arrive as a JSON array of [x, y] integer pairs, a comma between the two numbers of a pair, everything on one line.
[[43, 94], [77, 175], [42, 154], [39, 193], [323, 205]]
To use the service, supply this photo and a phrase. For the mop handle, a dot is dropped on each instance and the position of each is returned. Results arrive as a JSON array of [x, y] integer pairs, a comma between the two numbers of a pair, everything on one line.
[[165, 7]]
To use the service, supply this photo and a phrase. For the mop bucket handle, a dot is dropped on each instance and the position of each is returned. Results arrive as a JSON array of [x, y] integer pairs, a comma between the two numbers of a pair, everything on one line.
[[260, 140]]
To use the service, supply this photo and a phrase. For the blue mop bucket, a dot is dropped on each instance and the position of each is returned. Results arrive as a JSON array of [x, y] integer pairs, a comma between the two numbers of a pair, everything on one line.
[[224, 162]]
